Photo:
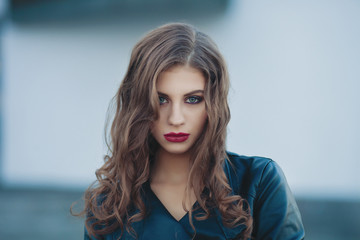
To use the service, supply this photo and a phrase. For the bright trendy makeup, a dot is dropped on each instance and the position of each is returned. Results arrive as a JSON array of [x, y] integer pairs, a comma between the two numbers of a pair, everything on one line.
[[176, 137], [182, 112]]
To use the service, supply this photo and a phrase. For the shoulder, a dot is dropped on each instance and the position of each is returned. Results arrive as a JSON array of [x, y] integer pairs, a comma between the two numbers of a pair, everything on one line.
[[261, 181], [248, 163], [246, 174]]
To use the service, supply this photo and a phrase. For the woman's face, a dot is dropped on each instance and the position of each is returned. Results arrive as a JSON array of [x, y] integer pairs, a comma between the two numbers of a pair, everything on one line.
[[182, 114]]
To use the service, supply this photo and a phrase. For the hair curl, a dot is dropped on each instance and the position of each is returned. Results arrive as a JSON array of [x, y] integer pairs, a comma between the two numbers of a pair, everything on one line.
[[110, 203]]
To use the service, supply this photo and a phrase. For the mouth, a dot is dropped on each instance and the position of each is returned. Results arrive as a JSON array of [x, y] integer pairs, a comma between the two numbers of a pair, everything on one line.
[[176, 137]]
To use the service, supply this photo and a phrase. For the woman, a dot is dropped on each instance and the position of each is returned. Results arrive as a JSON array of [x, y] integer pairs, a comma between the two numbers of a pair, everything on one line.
[[167, 174]]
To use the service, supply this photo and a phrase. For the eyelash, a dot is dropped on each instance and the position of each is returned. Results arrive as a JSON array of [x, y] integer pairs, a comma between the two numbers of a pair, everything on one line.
[[197, 99], [160, 100]]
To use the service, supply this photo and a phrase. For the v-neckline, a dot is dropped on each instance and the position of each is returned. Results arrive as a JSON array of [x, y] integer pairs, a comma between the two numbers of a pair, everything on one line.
[[164, 207]]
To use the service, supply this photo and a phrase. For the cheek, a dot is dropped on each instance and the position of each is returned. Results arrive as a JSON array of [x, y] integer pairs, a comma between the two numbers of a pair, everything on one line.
[[153, 127], [203, 117]]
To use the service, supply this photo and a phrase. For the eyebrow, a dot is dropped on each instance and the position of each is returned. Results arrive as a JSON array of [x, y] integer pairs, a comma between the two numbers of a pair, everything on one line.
[[187, 94]]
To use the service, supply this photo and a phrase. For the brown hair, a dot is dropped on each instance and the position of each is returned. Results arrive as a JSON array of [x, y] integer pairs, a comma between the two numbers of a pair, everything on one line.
[[109, 204]]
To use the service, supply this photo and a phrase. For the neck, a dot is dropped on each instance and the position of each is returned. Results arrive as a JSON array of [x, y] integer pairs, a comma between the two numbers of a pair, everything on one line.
[[171, 168]]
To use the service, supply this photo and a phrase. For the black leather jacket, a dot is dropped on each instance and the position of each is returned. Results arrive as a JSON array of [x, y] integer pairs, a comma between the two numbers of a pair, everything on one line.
[[259, 180], [263, 184]]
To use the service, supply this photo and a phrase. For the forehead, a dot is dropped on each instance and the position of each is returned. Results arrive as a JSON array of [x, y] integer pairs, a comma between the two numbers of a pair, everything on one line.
[[180, 79]]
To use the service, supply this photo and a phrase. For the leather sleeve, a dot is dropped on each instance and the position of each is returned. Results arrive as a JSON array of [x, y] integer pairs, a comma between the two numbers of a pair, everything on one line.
[[276, 215], [86, 236]]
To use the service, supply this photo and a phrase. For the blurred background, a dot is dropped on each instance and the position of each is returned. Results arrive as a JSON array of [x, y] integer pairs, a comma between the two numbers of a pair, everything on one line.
[[295, 75]]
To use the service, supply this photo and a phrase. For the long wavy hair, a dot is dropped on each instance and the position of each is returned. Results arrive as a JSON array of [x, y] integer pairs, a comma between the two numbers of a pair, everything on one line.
[[111, 200]]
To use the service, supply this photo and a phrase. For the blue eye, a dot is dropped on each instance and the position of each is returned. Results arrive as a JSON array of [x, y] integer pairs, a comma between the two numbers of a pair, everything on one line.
[[162, 100], [194, 99]]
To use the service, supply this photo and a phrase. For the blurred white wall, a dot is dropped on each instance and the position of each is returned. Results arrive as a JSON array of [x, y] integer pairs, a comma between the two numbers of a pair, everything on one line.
[[294, 67]]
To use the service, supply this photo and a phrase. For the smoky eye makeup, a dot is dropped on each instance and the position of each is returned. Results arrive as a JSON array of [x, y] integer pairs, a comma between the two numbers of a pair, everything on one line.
[[188, 98], [194, 99], [162, 100]]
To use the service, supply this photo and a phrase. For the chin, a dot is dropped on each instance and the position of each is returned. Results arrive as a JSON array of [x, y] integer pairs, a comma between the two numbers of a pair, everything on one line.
[[176, 150]]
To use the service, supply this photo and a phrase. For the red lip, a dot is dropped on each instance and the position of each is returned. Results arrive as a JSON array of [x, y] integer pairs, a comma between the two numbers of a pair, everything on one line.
[[176, 137]]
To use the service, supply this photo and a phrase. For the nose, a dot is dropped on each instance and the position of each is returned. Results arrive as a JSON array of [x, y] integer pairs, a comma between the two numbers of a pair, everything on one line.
[[176, 116]]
